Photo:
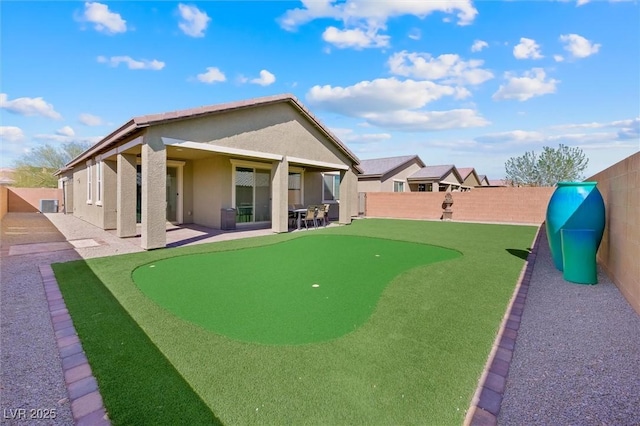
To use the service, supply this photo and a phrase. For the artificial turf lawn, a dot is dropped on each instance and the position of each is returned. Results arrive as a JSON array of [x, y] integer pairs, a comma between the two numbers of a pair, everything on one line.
[[417, 359], [267, 294]]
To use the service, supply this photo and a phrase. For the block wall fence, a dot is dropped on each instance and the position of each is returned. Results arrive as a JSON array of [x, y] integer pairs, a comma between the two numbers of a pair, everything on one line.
[[619, 252], [509, 205], [27, 200], [4, 200]]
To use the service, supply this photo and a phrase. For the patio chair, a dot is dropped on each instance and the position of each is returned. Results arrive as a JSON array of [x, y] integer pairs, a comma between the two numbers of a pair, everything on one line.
[[326, 213], [292, 215], [310, 216], [320, 216]]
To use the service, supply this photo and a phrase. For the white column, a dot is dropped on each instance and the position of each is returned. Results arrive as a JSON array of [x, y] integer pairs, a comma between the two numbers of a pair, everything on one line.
[[126, 196], [154, 194], [280, 195]]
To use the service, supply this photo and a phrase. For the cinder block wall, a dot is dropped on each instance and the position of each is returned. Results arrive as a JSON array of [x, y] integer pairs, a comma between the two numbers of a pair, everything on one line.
[[27, 200], [511, 205], [4, 200], [619, 253]]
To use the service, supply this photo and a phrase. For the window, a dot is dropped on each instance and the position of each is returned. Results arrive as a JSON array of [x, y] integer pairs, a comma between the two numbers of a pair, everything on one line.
[[330, 187], [295, 187], [89, 182], [99, 183], [398, 186]]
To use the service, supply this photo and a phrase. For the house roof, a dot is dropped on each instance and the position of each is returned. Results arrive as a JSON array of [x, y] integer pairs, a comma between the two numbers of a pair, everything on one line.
[[140, 122], [497, 182], [381, 166], [465, 172], [435, 172]]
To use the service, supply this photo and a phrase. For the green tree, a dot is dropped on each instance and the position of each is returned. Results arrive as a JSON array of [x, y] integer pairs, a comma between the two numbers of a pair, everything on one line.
[[551, 167], [36, 168]]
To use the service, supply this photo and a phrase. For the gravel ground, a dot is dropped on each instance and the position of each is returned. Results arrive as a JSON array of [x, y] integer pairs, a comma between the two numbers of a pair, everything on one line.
[[30, 366], [577, 355]]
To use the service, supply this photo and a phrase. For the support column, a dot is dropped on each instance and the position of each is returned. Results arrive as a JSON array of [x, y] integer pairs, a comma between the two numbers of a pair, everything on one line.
[[348, 196], [126, 196], [154, 194], [280, 195]]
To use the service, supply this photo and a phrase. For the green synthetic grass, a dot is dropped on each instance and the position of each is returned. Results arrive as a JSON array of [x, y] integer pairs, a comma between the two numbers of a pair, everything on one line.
[[314, 288], [416, 359]]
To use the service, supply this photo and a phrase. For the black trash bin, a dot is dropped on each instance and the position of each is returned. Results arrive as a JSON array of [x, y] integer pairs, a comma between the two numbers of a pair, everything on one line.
[[228, 219]]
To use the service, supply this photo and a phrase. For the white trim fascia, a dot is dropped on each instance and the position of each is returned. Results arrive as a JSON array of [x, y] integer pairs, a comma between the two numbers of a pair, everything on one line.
[[122, 148], [323, 164], [220, 149]]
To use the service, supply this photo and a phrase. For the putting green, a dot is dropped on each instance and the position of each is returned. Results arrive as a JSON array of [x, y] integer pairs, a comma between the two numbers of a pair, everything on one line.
[[309, 289]]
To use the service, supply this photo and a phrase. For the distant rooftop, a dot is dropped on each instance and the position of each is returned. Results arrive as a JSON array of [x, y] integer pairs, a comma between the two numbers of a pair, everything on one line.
[[435, 172], [380, 166]]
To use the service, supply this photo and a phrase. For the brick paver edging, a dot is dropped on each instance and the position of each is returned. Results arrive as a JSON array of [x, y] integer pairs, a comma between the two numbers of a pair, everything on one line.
[[86, 403], [485, 405]]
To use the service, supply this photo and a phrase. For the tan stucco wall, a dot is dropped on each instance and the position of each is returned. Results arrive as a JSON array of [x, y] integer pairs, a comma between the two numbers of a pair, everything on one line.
[[87, 212], [369, 186], [620, 248], [211, 190], [277, 129], [471, 181], [387, 183], [451, 179]]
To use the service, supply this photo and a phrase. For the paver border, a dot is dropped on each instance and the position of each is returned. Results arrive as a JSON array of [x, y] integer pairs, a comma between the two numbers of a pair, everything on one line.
[[87, 407], [487, 400]]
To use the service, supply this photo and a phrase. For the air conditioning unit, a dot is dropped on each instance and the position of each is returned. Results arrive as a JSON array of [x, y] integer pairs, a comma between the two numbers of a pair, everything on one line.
[[49, 206]]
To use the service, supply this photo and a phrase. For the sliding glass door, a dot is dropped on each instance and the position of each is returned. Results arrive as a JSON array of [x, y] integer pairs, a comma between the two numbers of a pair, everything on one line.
[[252, 195]]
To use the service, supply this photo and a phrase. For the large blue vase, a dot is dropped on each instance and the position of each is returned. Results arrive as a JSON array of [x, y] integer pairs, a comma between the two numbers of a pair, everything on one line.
[[574, 206]]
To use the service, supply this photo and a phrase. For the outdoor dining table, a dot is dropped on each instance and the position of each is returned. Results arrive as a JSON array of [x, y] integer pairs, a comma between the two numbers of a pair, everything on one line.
[[299, 213]]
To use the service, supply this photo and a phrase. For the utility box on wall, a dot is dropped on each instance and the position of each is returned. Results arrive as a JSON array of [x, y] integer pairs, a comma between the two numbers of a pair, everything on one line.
[[228, 219], [49, 206]]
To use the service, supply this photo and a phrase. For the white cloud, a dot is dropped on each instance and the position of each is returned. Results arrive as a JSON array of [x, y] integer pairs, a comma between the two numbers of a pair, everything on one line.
[[415, 34], [578, 46], [527, 49], [28, 106], [194, 21], [65, 131], [532, 83], [103, 19], [478, 45], [351, 137], [514, 136], [131, 63], [379, 95], [355, 38], [11, 134], [90, 120], [558, 58], [363, 19], [395, 104], [449, 68], [417, 121], [625, 129], [212, 75], [265, 79]]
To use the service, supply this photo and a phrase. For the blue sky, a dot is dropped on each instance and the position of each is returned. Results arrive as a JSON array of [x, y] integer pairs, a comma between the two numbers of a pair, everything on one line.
[[456, 82]]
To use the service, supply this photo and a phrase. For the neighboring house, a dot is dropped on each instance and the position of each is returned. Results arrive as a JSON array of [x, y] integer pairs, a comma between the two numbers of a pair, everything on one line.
[[388, 174], [498, 182], [442, 178], [6, 176], [192, 166], [484, 181], [470, 178]]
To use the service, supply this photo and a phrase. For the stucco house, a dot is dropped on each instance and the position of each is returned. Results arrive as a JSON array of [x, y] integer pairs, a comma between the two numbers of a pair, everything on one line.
[[470, 178], [256, 156], [484, 180], [442, 178], [388, 174]]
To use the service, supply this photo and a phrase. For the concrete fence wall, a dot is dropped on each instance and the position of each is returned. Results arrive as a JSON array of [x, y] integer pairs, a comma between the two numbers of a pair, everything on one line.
[[27, 200], [511, 205], [619, 253], [4, 200]]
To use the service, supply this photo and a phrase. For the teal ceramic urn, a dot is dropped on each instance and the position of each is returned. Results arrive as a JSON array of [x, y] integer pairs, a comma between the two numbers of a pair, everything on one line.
[[574, 206]]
